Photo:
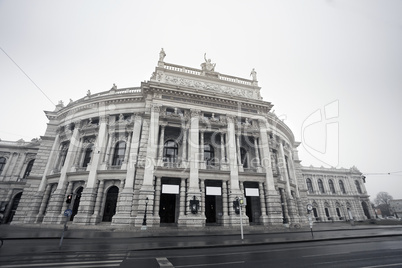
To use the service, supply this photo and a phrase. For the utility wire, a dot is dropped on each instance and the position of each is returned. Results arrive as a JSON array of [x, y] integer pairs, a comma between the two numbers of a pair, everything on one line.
[[27, 76]]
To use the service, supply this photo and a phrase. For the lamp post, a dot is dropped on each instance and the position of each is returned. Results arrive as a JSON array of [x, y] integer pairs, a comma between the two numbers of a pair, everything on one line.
[[144, 222]]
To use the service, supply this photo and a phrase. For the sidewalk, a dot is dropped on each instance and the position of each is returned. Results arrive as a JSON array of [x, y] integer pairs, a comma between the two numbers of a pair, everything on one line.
[[11, 232]]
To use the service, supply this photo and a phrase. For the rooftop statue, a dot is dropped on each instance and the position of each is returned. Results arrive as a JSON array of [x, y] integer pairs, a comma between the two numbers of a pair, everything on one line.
[[162, 55], [207, 65], [253, 74]]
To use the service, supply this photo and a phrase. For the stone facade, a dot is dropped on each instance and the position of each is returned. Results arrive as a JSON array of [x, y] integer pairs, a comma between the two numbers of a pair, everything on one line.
[[16, 165], [186, 136]]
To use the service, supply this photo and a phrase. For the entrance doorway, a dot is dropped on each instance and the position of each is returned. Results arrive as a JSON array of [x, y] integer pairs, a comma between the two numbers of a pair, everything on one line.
[[76, 203], [210, 208], [253, 207], [14, 206], [213, 202], [110, 203], [167, 209], [169, 206]]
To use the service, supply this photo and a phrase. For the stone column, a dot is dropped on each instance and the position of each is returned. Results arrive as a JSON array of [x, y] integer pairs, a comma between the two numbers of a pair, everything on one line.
[[202, 158], [239, 163], [285, 205], [127, 152], [257, 155], [232, 150], [58, 197], [194, 220], [273, 203], [126, 194], [158, 190], [225, 216], [262, 202], [161, 145], [78, 156], [96, 217], [43, 204], [147, 187], [88, 195], [20, 169], [108, 151], [72, 149], [183, 203], [202, 205], [184, 154], [284, 169], [223, 156]]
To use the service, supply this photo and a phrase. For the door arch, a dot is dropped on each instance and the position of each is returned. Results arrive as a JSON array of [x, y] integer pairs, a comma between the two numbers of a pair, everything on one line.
[[14, 206], [76, 202], [110, 203]]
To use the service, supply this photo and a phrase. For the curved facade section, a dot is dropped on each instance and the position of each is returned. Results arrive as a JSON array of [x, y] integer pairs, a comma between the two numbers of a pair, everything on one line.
[[184, 137]]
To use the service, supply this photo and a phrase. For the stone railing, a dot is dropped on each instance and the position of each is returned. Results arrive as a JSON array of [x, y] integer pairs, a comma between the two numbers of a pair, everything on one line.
[[194, 71]]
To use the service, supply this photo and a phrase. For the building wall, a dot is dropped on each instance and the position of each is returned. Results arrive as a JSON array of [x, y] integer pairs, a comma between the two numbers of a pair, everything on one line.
[[19, 157], [187, 136]]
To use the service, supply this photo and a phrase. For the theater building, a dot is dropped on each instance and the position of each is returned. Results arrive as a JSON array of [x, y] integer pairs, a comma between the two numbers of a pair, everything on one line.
[[182, 147]]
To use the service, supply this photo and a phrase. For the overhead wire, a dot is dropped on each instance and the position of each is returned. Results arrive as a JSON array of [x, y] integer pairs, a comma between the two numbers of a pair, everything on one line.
[[44, 94]]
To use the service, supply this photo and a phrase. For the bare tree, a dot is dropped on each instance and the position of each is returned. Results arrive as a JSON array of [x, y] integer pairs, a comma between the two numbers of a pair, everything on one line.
[[382, 202]]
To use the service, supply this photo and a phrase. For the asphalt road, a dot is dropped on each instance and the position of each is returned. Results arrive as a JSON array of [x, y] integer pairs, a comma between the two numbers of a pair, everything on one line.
[[340, 248], [368, 252]]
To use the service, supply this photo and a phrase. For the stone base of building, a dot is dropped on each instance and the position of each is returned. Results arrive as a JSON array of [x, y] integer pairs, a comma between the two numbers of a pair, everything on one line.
[[192, 220], [234, 220], [152, 221], [123, 219]]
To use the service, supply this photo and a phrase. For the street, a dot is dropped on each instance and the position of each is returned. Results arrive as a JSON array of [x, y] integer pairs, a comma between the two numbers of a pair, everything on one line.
[[368, 247]]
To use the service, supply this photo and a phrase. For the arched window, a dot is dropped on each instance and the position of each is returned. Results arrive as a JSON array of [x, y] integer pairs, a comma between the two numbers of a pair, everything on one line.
[[88, 155], [170, 151], [331, 186], [29, 168], [342, 187], [243, 157], [2, 164], [309, 186], [209, 155], [359, 189], [321, 186], [119, 151]]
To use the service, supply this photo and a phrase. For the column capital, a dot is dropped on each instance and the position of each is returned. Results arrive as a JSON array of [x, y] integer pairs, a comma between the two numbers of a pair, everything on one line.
[[156, 107], [195, 112]]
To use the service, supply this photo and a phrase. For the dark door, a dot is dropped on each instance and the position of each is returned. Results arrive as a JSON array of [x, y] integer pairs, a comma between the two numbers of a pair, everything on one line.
[[76, 203], [366, 210], [210, 208], [167, 208], [111, 202], [14, 206]]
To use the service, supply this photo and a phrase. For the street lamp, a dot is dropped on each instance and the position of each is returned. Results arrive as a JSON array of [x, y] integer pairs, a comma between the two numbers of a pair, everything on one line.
[[144, 222]]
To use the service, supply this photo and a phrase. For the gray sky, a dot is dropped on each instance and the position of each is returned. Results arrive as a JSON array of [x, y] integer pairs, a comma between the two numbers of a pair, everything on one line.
[[332, 69]]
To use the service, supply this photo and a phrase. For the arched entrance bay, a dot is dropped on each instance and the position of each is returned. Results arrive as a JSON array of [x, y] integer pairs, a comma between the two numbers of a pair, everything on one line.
[[110, 203]]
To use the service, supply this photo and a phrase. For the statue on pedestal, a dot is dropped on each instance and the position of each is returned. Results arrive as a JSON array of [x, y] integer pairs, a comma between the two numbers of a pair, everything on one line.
[[207, 65], [162, 55], [253, 74]]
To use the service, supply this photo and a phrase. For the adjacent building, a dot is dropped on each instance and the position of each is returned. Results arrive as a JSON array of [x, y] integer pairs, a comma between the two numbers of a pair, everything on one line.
[[182, 147]]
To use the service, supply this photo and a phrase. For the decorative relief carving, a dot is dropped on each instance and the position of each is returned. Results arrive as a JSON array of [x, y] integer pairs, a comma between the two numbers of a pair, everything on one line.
[[5, 154], [247, 93], [156, 107], [195, 112]]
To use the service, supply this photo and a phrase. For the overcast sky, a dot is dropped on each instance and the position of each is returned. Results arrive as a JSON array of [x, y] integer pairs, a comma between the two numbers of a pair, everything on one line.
[[332, 69]]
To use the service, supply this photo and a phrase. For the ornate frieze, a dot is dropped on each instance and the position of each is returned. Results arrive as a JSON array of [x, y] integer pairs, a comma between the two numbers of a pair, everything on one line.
[[242, 92]]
